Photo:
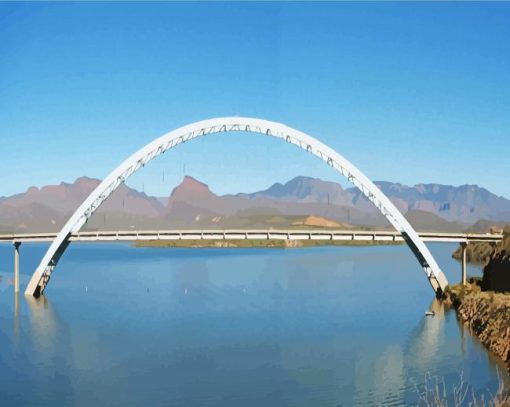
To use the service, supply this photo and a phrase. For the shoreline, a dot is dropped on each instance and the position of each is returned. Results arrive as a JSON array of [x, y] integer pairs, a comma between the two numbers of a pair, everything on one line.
[[485, 313]]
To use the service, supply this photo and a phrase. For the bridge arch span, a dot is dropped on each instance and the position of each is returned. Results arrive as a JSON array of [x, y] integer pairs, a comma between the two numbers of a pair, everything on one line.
[[43, 272]]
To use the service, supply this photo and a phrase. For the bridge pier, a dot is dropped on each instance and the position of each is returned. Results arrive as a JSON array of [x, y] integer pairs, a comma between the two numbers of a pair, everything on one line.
[[16, 266], [463, 245]]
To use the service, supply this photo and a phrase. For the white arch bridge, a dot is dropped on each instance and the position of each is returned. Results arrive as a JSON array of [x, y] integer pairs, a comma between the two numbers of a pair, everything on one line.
[[119, 175]]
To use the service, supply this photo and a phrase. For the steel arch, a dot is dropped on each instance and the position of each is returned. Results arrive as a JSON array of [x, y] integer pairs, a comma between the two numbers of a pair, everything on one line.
[[42, 274]]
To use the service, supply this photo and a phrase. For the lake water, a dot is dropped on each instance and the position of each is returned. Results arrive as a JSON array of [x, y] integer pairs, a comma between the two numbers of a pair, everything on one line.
[[328, 326]]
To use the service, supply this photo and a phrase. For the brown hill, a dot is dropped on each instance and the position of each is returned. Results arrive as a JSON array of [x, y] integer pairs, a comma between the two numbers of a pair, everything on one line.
[[424, 221], [192, 204], [47, 208]]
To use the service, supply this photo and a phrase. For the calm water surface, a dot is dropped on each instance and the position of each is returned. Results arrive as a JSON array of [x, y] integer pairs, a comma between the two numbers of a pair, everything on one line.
[[330, 326]]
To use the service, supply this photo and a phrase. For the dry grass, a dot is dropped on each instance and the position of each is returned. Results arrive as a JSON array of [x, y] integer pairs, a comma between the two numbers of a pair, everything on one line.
[[433, 393]]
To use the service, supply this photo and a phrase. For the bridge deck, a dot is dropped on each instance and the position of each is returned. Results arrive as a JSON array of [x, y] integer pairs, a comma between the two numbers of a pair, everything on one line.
[[269, 234]]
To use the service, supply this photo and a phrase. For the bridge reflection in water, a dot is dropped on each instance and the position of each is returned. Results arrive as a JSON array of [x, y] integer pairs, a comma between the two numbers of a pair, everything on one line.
[[343, 324], [389, 365]]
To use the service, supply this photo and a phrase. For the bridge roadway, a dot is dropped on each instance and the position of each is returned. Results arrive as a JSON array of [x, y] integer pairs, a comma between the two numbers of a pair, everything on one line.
[[213, 234], [259, 234]]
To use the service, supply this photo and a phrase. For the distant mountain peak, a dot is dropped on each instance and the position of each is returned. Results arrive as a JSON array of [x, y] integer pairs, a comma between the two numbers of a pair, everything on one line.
[[84, 178], [190, 186], [189, 181], [32, 190], [305, 189], [84, 182]]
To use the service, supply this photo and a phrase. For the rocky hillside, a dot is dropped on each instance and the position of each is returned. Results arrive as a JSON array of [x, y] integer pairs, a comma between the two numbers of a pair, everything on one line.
[[487, 314], [306, 190], [465, 204], [193, 201], [194, 204], [47, 208]]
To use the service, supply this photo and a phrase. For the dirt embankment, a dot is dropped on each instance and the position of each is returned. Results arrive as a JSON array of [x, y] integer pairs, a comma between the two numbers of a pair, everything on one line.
[[487, 314]]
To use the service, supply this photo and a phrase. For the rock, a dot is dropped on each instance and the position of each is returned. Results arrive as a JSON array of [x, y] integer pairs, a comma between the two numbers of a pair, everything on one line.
[[487, 314], [496, 274]]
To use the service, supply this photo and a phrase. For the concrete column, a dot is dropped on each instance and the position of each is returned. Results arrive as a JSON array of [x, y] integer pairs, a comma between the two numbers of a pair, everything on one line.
[[464, 265], [16, 314], [16, 266]]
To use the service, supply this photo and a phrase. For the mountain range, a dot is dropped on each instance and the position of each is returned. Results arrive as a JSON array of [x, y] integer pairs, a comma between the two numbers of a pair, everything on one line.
[[302, 201]]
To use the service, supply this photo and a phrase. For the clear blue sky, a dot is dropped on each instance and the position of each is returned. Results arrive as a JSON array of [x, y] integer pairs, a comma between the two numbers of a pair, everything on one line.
[[409, 92]]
